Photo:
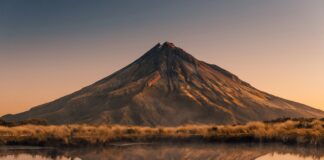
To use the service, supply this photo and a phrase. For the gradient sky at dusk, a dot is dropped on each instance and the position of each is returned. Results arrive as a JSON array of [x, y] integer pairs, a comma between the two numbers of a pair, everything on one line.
[[50, 48]]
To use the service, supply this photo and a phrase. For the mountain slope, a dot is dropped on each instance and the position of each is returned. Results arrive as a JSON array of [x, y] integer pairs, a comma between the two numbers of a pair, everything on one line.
[[168, 86]]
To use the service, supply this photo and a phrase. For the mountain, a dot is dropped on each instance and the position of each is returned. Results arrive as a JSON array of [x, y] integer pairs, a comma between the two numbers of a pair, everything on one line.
[[168, 86]]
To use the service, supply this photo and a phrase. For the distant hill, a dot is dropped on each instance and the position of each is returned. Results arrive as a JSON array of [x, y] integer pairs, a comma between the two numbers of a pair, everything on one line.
[[167, 86]]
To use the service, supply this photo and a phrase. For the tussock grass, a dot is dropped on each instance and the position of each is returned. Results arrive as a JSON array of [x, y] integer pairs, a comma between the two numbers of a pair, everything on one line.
[[290, 131]]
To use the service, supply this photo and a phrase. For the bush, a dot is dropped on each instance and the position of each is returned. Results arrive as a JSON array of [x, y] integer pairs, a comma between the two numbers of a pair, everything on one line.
[[34, 121]]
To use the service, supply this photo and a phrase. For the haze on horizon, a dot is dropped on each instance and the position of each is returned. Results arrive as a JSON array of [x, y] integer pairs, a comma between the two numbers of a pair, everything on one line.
[[52, 48]]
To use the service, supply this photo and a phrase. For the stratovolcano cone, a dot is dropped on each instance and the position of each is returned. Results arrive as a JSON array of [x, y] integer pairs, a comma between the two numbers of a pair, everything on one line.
[[167, 86]]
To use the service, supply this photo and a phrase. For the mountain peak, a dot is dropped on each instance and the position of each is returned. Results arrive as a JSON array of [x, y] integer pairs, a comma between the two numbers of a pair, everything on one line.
[[168, 45], [167, 86], [169, 49]]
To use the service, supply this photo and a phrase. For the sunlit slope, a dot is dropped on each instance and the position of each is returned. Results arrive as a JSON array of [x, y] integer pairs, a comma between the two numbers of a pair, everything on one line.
[[168, 86]]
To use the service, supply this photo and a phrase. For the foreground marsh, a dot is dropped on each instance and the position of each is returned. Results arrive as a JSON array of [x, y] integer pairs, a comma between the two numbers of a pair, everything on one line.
[[289, 131]]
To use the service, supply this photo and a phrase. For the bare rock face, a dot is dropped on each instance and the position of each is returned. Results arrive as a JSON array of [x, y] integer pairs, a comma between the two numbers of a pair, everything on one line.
[[167, 86]]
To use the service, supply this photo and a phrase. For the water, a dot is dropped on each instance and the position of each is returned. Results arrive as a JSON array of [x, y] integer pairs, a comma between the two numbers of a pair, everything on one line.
[[189, 151]]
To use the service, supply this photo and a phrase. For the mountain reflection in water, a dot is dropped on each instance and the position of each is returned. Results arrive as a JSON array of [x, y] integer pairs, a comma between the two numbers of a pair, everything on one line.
[[188, 151]]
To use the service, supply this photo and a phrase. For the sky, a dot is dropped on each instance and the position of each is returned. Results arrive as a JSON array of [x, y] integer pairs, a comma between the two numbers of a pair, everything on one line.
[[52, 48]]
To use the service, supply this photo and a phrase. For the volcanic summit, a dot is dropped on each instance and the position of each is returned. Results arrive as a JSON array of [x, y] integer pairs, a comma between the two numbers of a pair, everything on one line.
[[167, 86]]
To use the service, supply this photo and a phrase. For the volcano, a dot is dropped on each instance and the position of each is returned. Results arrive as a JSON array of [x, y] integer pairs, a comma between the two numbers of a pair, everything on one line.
[[167, 86]]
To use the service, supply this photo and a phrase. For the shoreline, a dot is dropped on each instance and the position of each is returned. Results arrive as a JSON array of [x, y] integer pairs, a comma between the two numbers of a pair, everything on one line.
[[221, 151]]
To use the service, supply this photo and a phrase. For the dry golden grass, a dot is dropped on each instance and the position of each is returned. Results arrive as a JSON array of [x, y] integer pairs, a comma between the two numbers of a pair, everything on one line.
[[292, 131]]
